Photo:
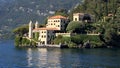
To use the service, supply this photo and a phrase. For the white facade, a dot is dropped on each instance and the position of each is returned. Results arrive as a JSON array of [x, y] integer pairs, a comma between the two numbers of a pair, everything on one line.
[[78, 16], [46, 34], [30, 29]]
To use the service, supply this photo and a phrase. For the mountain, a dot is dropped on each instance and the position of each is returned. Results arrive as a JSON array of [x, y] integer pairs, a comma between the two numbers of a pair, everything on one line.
[[14, 13]]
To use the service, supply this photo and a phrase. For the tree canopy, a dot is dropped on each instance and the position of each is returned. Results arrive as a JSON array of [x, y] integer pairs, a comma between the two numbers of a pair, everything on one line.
[[21, 30], [75, 26]]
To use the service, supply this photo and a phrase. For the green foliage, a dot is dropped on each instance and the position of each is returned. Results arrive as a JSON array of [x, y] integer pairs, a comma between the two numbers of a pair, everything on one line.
[[75, 27], [37, 35], [118, 15], [79, 39], [62, 40], [15, 13], [18, 41], [72, 45], [62, 12], [82, 38], [112, 38], [25, 42], [21, 30], [108, 30], [99, 9]]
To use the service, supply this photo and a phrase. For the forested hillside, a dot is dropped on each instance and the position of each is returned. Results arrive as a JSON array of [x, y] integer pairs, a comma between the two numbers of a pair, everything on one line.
[[15, 13], [99, 8]]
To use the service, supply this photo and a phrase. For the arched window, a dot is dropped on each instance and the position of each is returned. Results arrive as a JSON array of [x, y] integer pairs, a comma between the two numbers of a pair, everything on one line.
[[75, 19]]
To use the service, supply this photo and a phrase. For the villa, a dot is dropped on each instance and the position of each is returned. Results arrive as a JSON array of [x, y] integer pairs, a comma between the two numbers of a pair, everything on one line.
[[54, 25]]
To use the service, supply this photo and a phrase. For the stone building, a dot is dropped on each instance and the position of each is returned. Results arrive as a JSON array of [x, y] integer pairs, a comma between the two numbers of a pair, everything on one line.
[[54, 23], [83, 17]]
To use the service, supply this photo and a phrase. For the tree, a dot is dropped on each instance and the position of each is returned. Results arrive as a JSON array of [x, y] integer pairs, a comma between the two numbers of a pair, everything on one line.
[[118, 15], [74, 26], [18, 41], [62, 12], [21, 30], [111, 38]]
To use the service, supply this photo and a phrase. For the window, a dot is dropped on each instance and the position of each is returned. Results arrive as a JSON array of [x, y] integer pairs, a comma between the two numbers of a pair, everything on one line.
[[75, 19], [58, 26], [48, 36], [44, 36], [44, 31], [54, 23], [51, 24]]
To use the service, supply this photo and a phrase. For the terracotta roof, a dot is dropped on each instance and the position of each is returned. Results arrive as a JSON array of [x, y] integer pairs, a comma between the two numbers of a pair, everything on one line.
[[44, 28], [57, 17]]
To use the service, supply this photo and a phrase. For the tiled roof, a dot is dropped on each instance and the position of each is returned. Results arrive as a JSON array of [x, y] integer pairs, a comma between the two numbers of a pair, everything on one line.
[[44, 28], [57, 17]]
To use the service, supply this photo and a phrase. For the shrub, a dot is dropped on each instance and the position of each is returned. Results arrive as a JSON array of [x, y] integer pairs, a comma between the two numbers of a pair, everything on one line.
[[72, 44], [82, 38], [74, 27], [62, 40], [18, 41]]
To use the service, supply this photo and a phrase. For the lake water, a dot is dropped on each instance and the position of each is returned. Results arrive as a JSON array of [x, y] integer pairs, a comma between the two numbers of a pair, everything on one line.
[[11, 57]]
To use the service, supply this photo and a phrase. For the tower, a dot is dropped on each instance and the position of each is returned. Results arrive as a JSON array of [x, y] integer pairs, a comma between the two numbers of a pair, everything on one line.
[[30, 29], [36, 25]]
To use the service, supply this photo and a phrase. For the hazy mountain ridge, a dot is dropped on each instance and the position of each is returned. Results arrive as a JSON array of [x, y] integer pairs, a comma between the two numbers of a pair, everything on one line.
[[15, 13]]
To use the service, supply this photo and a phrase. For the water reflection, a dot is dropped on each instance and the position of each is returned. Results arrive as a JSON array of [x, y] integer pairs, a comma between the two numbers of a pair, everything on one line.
[[11, 57], [71, 58], [29, 57], [43, 57]]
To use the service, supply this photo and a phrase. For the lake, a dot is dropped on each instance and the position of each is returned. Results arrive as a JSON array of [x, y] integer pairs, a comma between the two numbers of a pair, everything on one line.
[[11, 57]]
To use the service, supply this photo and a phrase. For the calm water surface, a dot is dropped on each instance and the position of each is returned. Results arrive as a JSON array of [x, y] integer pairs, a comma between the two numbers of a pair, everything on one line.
[[11, 57]]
